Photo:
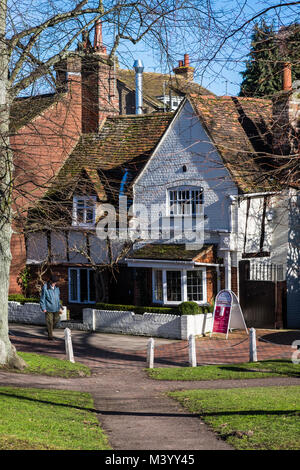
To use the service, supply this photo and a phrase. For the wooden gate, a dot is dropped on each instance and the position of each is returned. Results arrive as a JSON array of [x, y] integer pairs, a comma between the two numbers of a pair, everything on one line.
[[262, 301]]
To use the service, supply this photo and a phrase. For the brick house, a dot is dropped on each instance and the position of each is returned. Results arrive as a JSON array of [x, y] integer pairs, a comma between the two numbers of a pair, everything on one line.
[[210, 158], [46, 128]]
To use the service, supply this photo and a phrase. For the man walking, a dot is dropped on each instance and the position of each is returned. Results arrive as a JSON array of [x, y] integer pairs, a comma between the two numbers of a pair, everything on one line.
[[50, 304]]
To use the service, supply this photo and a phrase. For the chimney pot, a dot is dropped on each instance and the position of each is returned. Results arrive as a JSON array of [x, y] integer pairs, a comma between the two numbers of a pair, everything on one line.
[[186, 60], [98, 42], [287, 76]]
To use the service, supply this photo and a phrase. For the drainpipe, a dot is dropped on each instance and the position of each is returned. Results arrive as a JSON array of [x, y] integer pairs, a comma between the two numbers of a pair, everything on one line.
[[218, 278], [123, 206], [123, 183], [139, 68], [227, 263]]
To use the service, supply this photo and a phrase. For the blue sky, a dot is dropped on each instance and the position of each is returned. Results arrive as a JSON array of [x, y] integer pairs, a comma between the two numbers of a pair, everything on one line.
[[221, 75], [215, 69]]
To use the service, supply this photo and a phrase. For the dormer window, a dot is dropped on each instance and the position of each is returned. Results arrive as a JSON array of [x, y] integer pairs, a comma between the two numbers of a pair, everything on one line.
[[185, 201], [84, 211]]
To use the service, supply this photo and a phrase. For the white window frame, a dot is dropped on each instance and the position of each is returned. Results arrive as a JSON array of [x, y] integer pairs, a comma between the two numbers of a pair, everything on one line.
[[78, 300], [86, 206], [178, 191], [184, 298]]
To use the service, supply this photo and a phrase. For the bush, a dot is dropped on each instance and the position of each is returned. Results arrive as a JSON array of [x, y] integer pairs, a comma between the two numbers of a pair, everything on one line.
[[185, 308], [137, 309], [189, 308], [22, 300]]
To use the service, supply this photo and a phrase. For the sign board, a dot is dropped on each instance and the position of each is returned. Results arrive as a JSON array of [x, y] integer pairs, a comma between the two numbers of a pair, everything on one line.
[[227, 313]]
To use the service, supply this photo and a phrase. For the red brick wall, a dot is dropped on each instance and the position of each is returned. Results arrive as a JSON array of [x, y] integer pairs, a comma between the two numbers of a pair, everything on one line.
[[211, 283], [40, 148], [99, 93], [18, 262], [234, 281]]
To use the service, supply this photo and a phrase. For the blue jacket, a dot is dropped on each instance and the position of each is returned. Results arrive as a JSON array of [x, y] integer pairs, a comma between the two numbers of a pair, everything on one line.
[[50, 298]]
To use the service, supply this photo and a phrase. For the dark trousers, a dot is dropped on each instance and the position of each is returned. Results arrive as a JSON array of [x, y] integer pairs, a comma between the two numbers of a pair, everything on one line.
[[51, 321]]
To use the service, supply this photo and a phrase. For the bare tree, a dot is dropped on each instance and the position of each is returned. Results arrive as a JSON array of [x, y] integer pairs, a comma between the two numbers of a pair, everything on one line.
[[34, 37]]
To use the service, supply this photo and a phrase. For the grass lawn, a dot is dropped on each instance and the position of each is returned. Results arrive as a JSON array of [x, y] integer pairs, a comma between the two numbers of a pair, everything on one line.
[[264, 418], [46, 365], [249, 370], [37, 419]]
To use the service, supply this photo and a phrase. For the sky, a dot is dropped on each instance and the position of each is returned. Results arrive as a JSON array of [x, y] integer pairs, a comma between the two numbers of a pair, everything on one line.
[[222, 75], [219, 80], [218, 70]]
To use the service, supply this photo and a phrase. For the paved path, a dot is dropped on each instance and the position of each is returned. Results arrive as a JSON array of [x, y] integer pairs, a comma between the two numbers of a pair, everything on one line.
[[134, 410]]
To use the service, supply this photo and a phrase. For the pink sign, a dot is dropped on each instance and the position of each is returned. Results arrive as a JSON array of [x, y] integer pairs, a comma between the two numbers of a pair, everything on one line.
[[222, 311]]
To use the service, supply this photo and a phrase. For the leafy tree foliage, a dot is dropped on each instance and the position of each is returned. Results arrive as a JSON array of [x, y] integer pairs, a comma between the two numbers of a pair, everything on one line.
[[269, 50]]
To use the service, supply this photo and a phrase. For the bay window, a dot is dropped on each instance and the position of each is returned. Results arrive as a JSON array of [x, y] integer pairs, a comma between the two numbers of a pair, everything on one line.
[[173, 280], [194, 283], [173, 286]]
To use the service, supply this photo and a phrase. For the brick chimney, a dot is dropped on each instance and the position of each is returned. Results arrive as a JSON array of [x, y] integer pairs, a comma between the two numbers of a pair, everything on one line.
[[68, 80], [286, 114], [184, 69], [88, 74], [68, 74], [99, 91]]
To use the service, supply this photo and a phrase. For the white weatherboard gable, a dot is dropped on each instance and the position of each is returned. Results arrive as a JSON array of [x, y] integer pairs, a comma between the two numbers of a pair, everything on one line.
[[187, 143]]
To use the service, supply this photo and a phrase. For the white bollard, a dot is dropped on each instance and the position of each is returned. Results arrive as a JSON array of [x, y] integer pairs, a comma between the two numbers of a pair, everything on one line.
[[252, 346], [150, 354], [192, 351], [69, 347]]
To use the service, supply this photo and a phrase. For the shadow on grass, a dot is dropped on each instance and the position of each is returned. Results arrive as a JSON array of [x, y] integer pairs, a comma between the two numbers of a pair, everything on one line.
[[102, 412], [263, 369]]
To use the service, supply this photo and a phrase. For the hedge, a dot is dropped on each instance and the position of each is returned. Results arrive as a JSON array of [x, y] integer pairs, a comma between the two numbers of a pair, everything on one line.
[[185, 308], [142, 309], [22, 300]]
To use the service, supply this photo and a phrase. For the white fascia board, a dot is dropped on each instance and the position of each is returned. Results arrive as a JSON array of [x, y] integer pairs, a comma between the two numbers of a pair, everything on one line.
[[149, 263], [266, 193]]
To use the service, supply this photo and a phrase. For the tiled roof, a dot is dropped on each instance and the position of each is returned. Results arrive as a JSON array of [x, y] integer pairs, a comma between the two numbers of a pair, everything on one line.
[[24, 110], [124, 143], [240, 128], [159, 84], [171, 252]]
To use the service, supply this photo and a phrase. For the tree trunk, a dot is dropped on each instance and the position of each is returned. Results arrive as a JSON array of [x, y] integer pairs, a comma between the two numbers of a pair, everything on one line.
[[8, 354]]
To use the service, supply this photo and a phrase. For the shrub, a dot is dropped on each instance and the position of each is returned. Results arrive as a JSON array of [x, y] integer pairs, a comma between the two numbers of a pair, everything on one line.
[[189, 308], [185, 308], [137, 309], [22, 300]]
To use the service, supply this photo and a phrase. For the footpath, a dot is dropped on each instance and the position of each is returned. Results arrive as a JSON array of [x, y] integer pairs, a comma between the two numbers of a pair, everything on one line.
[[133, 410]]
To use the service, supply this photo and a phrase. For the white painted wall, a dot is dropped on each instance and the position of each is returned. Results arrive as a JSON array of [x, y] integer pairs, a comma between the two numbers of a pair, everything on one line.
[[293, 263], [283, 242], [148, 324], [186, 143], [29, 313]]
